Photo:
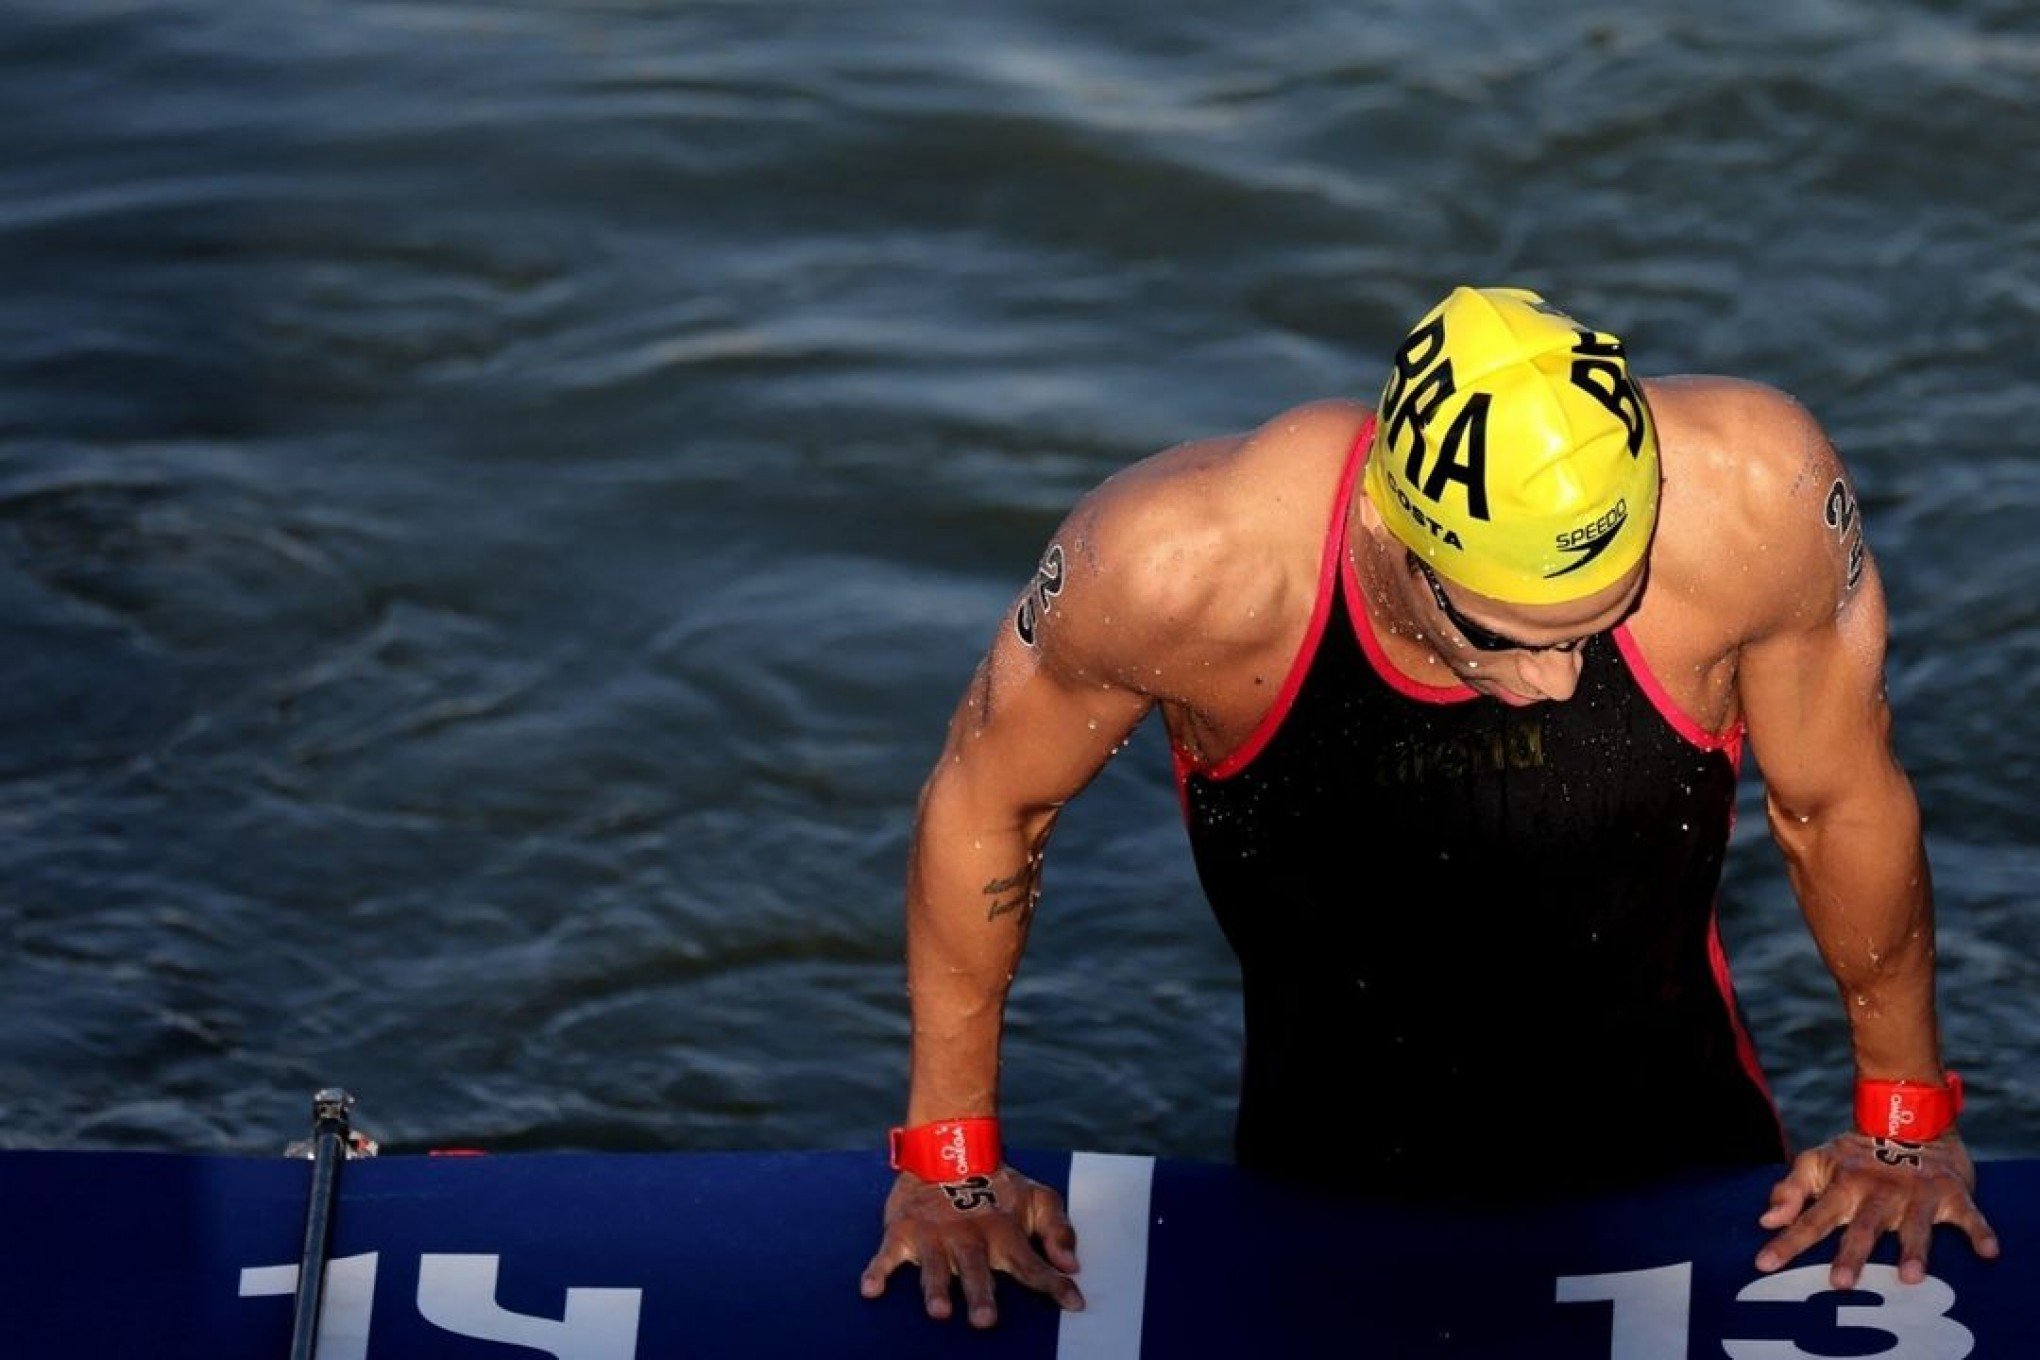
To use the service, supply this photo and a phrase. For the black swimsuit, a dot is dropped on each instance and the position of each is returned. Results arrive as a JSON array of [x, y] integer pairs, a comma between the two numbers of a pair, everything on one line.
[[1488, 930]]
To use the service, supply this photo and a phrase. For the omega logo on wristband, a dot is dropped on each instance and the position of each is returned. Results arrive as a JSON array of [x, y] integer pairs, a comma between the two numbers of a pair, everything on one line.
[[948, 1150], [1915, 1111]]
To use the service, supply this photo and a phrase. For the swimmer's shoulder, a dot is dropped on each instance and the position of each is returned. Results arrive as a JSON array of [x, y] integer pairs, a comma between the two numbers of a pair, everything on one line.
[[1204, 512], [1238, 487], [1203, 547], [1758, 507]]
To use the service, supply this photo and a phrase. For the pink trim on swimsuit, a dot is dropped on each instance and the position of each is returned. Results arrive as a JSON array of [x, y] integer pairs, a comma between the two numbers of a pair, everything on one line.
[[1336, 565], [1668, 708], [1377, 655], [1745, 1047]]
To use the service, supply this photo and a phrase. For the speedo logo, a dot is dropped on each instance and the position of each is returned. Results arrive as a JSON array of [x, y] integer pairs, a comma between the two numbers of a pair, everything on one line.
[[1591, 540]]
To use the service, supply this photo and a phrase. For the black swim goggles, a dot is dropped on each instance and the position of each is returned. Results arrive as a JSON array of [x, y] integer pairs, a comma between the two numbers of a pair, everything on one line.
[[1483, 639]]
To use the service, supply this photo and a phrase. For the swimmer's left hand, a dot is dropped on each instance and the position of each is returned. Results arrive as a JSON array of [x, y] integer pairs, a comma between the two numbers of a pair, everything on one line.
[[1868, 1187]]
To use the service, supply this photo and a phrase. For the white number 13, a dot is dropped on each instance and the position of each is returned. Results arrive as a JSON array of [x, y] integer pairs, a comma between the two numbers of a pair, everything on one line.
[[1652, 1309], [1914, 1316]]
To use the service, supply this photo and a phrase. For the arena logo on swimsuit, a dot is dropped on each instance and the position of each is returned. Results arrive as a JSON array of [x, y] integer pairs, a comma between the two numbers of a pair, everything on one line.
[[1518, 745]]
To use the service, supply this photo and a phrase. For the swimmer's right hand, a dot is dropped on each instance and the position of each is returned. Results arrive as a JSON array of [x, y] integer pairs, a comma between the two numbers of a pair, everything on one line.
[[961, 1232]]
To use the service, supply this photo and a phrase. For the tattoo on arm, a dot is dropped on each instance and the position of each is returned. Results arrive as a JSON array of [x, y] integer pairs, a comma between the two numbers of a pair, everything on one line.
[[1016, 893], [974, 1192], [1898, 1152], [1040, 596], [981, 694], [1841, 514]]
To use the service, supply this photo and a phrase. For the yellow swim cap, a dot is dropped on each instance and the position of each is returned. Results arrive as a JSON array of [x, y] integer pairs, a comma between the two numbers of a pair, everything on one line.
[[1512, 452]]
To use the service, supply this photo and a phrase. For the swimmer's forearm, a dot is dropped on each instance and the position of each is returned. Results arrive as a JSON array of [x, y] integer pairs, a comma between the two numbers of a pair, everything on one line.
[[1861, 875], [972, 884], [1890, 1004]]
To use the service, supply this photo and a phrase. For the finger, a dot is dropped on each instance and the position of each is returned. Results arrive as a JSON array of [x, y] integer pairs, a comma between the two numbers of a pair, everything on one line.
[[1810, 1227], [1059, 1245], [876, 1272], [1041, 1277], [974, 1272], [1964, 1214], [1058, 1235], [1806, 1181], [935, 1278], [1858, 1239], [1788, 1198], [1915, 1235]]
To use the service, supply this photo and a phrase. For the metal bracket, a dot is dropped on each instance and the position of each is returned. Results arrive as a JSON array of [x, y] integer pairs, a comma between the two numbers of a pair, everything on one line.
[[331, 1109]]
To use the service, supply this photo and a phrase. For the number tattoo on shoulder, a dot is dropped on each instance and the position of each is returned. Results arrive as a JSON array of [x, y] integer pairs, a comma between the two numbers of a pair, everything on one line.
[[1040, 596], [1842, 515]]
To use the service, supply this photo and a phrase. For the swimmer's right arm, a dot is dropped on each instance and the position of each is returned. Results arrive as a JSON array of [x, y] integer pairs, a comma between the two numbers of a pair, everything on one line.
[[1044, 712]]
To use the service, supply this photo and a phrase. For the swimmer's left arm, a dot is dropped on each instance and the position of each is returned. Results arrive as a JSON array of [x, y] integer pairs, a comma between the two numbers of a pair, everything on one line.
[[1840, 806], [1811, 685]]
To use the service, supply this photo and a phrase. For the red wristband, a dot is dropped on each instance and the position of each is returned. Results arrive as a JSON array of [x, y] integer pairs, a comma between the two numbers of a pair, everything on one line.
[[948, 1149], [1912, 1110]]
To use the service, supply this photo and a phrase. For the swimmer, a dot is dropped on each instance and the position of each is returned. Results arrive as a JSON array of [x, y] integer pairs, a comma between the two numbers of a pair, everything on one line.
[[1459, 688]]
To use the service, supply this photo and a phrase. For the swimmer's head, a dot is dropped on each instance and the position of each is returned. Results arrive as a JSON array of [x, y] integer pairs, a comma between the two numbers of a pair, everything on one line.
[[1512, 451]]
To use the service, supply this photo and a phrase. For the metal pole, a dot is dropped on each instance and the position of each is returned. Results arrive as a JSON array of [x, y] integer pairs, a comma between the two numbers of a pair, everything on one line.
[[329, 1150]]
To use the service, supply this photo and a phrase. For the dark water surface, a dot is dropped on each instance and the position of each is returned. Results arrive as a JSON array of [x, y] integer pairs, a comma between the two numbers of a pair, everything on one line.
[[497, 499]]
